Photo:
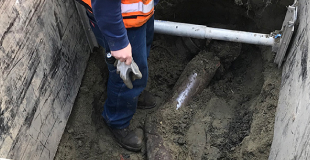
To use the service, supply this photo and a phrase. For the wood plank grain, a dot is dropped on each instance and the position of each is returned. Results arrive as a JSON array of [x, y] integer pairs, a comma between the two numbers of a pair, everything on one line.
[[292, 131], [43, 55]]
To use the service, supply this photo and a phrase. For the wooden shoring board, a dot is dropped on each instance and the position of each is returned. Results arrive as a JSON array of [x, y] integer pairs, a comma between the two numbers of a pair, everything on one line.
[[43, 55], [292, 129]]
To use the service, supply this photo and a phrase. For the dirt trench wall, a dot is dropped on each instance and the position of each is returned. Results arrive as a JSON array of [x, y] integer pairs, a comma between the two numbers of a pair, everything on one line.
[[292, 130], [264, 13], [43, 54]]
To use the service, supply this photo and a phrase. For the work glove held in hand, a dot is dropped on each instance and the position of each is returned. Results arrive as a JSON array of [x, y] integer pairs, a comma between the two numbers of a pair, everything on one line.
[[128, 73]]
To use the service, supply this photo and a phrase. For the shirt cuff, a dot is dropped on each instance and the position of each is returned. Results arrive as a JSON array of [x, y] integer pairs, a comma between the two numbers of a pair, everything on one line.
[[117, 43]]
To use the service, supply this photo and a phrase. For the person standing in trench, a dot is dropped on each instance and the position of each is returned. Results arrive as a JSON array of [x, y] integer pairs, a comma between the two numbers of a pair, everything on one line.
[[125, 28]]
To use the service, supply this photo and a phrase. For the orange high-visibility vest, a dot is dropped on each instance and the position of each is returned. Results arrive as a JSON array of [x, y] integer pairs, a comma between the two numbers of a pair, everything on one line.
[[135, 12]]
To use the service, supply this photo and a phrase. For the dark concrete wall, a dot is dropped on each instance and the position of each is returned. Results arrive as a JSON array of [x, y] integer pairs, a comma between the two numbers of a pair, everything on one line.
[[43, 54], [292, 123]]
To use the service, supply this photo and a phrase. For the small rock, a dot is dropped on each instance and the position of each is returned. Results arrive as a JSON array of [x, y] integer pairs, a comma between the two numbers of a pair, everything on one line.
[[80, 143], [84, 89], [175, 127], [175, 140], [115, 154], [102, 145], [182, 125], [181, 141], [185, 117], [70, 130]]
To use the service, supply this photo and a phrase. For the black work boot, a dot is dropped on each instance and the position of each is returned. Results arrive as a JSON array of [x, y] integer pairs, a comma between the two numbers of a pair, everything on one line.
[[130, 140], [146, 100]]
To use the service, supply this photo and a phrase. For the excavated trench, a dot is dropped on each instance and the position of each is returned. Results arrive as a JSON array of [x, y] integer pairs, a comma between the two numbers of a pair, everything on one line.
[[232, 117]]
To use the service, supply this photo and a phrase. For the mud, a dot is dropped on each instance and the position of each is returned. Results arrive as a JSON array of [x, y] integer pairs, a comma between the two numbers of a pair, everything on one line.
[[232, 118]]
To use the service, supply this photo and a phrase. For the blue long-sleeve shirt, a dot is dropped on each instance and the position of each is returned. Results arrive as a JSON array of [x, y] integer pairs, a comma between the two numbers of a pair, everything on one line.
[[109, 18]]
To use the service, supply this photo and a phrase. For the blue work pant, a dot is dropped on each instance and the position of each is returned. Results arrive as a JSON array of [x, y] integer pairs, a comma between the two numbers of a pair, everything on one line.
[[121, 103]]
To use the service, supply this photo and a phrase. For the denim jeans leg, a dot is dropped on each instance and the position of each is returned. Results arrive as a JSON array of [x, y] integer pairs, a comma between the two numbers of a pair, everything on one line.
[[122, 102]]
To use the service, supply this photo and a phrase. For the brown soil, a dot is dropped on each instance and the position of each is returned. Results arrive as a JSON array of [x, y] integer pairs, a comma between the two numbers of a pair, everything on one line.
[[232, 118]]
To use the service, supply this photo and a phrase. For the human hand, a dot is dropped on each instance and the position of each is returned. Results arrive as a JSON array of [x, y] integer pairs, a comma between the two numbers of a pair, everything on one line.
[[123, 55]]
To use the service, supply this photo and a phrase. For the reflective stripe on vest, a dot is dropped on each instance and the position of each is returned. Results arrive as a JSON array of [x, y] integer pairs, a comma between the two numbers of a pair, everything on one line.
[[135, 12], [137, 7]]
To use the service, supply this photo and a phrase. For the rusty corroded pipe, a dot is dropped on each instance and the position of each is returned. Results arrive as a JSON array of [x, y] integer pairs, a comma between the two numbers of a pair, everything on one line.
[[195, 77], [197, 74]]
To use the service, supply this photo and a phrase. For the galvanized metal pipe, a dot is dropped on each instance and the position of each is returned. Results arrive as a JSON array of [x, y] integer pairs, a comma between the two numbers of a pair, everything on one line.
[[204, 32]]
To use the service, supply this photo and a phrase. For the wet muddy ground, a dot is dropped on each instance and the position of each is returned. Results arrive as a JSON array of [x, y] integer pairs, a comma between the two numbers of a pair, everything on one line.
[[232, 118]]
